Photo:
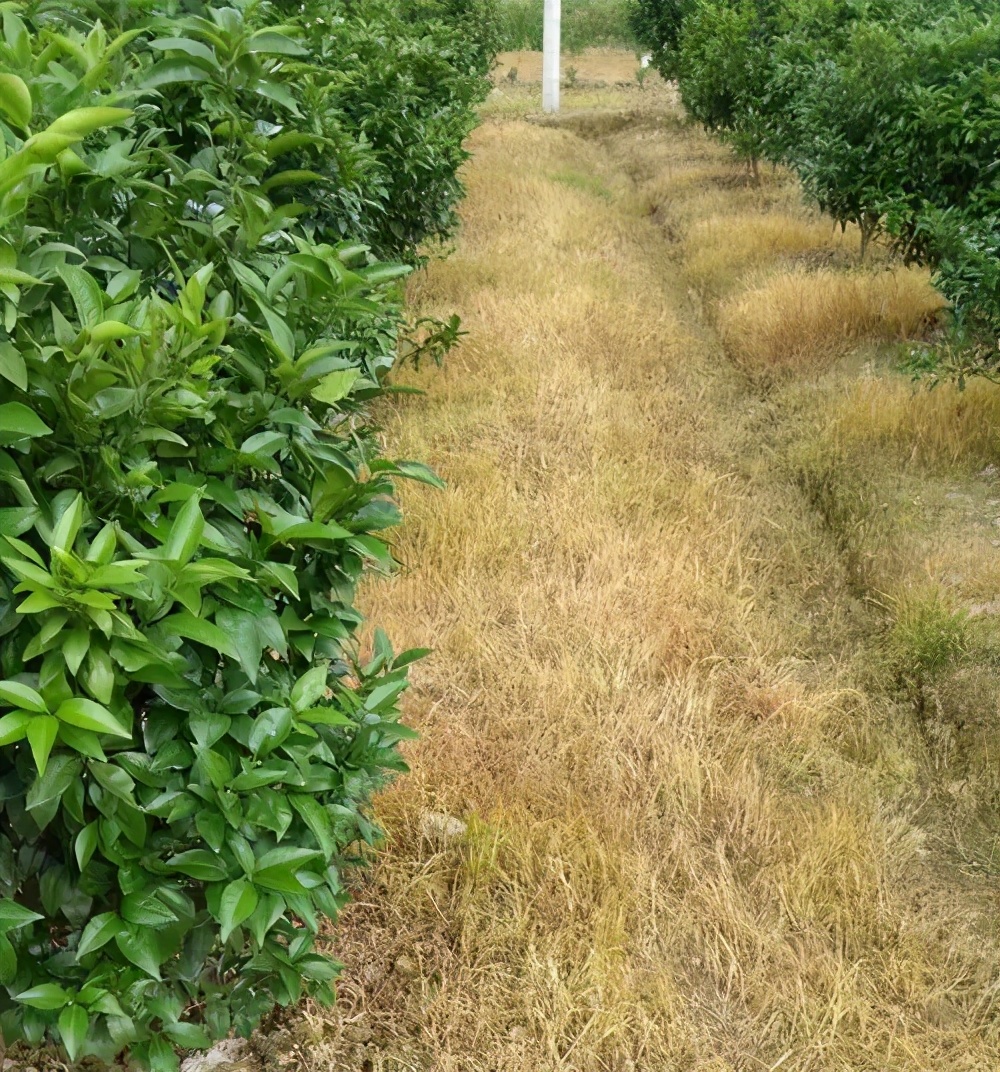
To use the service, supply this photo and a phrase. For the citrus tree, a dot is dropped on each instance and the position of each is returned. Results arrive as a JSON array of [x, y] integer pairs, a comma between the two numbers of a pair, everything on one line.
[[191, 488]]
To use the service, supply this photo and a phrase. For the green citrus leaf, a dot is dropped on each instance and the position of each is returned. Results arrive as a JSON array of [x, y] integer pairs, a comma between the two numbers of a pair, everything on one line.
[[73, 1026], [186, 532], [15, 100], [13, 916], [19, 422], [86, 844], [140, 946], [12, 366], [200, 864], [183, 44], [42, 730], [336, 386], [46, 996], [14, 727], [14, 277], [83, 121], [17, 694], [8, 962], [237, 904], [87, 715], [201, 631], [98, 932]]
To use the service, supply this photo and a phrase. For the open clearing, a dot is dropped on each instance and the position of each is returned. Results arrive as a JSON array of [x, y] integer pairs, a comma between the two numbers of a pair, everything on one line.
[[712, 593]]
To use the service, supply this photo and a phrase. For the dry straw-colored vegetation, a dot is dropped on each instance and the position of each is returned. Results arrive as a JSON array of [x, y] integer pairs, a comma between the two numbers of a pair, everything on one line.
[[940, 428], [704, 690], [603, 65], [800, 317], [720, 249]]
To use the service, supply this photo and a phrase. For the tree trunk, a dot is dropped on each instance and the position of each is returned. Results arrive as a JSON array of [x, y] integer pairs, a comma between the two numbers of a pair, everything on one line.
[[868, 224]]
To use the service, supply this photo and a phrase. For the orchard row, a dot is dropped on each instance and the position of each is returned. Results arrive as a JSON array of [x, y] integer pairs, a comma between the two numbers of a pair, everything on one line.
[[205, 215], [888, 110]]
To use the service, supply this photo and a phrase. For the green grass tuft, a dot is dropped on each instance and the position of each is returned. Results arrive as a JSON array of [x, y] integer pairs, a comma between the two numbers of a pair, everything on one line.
[[588, 184]]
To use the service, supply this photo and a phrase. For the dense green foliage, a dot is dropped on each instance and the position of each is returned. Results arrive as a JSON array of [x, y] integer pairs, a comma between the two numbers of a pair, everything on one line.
[[887, 111], [724, 60], [585, 24], [656, 26], [194, 323], [404, 79]]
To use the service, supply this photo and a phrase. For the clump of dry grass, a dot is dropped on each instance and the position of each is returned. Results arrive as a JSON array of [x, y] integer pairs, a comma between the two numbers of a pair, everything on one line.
[[673, 861], [802, 319], [720, 250], [939, 428]]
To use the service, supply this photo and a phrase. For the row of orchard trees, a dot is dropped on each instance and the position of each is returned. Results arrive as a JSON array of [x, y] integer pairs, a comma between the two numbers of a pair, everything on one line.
[[206, 211], [888, 110]]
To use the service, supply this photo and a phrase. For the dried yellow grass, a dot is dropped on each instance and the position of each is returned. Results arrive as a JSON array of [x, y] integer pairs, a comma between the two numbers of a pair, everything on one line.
[[720, 250], [690, 847], [591, 65], [802, 319], [943, 446], [605, 86], [943, 427]]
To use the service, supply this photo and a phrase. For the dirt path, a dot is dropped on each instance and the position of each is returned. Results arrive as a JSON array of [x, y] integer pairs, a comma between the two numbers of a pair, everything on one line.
[[695, 837]]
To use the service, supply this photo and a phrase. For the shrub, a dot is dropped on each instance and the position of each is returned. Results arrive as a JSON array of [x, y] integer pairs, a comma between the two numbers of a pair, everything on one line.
[[657, 26], [894, 123], [723, 66], [190, 490], [405, 80]]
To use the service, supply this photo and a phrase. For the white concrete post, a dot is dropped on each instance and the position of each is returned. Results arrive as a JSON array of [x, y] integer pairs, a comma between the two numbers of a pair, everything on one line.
[[551, 44]]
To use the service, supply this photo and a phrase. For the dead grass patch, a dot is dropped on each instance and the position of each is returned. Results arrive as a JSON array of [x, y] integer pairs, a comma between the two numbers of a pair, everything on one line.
[[592, 65], [720, 250], [801, 320], [939, 428]]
